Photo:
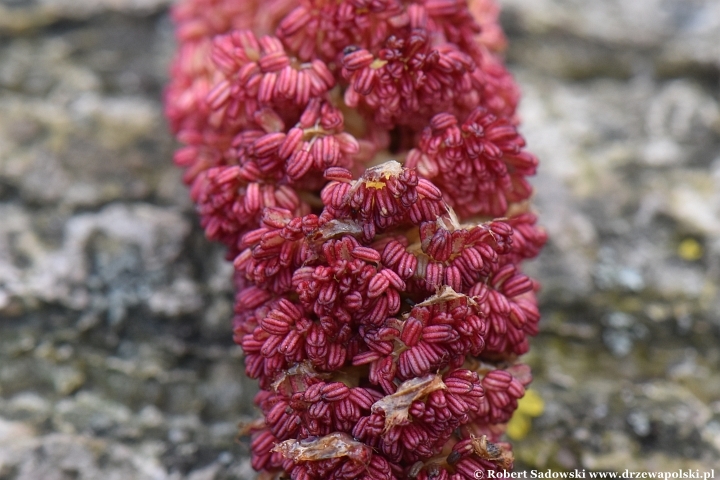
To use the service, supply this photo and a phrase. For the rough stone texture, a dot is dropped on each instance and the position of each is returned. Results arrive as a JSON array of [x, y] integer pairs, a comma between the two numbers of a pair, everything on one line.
[[115, 353], [621, 104], [116, 358]]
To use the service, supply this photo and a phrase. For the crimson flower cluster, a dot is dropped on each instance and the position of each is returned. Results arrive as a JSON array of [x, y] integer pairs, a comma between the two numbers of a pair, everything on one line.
[[361, 162]]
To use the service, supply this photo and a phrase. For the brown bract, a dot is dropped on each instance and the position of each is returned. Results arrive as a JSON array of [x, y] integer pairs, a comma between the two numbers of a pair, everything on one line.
[[396, 406], [335, 445]]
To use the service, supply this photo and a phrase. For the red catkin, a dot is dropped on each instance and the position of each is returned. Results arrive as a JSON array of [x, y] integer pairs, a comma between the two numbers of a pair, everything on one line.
[[360, 159]]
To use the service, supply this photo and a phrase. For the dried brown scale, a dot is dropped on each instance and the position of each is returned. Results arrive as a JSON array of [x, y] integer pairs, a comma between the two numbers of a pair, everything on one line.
[[381, 306]]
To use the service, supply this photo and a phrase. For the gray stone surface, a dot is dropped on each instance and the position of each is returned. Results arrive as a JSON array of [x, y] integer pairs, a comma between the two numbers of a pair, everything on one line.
[[115, 353], [621, 104], [116, 358]]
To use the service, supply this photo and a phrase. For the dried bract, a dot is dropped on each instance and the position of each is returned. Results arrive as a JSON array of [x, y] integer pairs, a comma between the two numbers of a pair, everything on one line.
[[396, 406]]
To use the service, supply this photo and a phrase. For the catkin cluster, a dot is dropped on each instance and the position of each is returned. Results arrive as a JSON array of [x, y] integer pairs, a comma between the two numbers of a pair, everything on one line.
[[360, 161]]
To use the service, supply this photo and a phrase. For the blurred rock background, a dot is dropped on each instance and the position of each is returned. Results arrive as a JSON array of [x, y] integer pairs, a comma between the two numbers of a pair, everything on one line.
[[116, 360]]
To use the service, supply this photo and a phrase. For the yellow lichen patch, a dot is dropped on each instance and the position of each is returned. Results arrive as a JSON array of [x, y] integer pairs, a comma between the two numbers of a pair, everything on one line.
[[690, 250], [519, 426], [529, 406]]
